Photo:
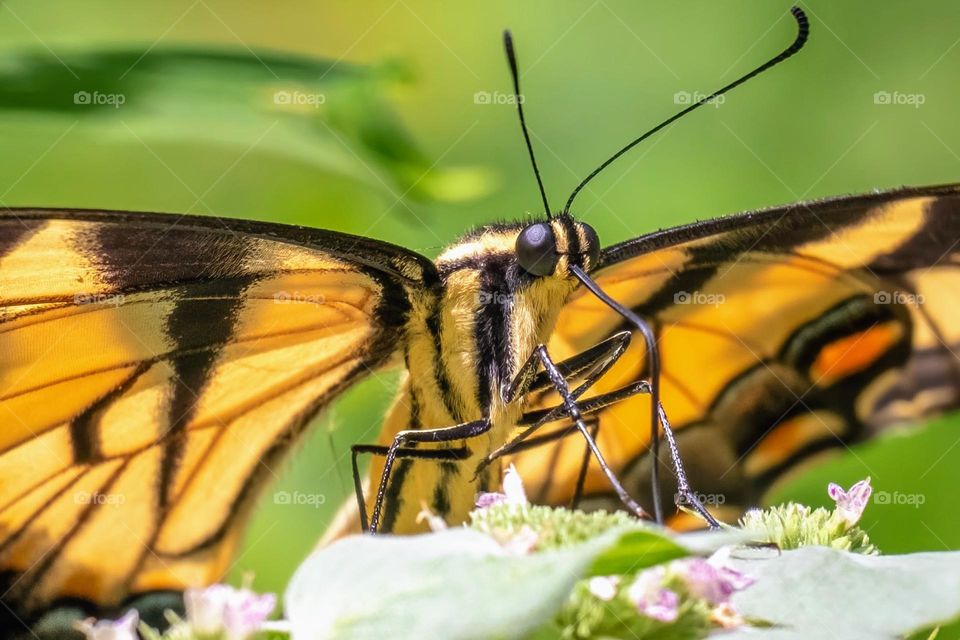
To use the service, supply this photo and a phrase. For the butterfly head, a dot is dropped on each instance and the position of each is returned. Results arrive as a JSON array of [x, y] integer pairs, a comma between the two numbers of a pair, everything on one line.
[[550, 247]]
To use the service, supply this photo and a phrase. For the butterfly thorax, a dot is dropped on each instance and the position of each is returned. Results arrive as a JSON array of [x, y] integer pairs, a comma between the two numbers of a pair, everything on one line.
[[463, 348]]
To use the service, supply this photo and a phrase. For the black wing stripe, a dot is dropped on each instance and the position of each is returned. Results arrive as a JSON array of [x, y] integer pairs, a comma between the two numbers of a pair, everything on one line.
[[39, 570], [766, 217], [196, 321], [200, 271], [268, 459], [131, 257], [13, 536], [786, 233], [15, 233], [401, 265], [847, 317], [392, 310], [932, 243], [84, 433]]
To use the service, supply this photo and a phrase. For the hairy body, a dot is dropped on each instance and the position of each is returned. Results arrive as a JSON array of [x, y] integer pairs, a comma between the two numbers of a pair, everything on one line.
[[463, 346]]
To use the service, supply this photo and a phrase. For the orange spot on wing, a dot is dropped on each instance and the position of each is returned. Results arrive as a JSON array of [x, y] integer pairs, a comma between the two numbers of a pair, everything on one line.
[[789, 437], [854, 353]]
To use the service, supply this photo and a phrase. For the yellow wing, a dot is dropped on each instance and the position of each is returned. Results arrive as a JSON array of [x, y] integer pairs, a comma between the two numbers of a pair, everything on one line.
[[782, 333], [153, 370]]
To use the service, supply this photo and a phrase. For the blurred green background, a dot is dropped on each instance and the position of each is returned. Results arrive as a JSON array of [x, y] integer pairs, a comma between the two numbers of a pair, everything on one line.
[[381, 132]]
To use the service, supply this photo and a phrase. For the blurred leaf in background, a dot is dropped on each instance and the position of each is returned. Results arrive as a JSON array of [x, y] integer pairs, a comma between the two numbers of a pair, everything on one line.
[[330, 118]]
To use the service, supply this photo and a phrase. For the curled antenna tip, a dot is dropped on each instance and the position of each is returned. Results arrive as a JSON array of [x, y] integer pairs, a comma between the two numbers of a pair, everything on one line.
[[803, 27], [801, 17], [803, 32]]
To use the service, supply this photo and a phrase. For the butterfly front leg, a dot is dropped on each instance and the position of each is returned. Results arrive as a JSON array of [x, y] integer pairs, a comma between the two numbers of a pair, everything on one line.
[[573, 412], [419, 436], [590, 366], [454, 454], [591, 406]]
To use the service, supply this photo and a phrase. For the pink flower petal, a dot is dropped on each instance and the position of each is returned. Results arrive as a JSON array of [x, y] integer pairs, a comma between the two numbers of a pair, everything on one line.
[[664, 607], [851, 504], [123, 629], [485, 499], [711, 580], [245, 612], [205, 606], [220, 608], [651, 599], [835, 491]]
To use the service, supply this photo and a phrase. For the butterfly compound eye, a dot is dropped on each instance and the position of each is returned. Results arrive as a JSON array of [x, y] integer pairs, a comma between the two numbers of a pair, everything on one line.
[[537, 249]]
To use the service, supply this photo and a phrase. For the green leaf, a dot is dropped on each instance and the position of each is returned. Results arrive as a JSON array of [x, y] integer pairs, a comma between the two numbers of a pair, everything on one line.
[[816, 592], [634, 551], [455, 584], [639, 548], [461, 583], [330, 115]]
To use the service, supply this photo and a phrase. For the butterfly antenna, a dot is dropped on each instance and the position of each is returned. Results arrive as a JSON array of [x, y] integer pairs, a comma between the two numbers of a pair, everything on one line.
[[518, 98], [803, 31]]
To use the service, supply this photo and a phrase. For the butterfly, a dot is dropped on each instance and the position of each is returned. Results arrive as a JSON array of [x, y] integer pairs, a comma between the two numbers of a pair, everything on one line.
[[153, 367]]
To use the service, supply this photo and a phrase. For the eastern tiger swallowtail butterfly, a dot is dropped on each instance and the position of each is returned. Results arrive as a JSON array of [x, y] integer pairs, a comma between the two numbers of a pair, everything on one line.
[[143, 355]]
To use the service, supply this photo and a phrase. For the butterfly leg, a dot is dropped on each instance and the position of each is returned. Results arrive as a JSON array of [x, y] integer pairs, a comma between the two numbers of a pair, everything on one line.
[[573, 411], [419, 436], [594, 423], [440, 455], [590, 406], [683, 485], [590, 365]]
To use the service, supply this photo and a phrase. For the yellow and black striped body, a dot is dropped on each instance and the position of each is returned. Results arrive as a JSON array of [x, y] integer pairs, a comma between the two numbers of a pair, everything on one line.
[[463, 346]]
